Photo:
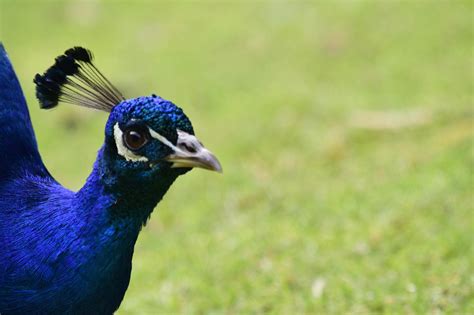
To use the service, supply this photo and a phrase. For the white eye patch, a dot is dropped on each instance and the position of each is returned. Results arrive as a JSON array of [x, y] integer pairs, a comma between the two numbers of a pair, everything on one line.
[[163, 140], [129, 155], [123, 150]]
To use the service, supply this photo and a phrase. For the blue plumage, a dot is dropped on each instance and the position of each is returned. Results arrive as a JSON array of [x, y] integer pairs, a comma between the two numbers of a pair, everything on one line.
[[64, 252]]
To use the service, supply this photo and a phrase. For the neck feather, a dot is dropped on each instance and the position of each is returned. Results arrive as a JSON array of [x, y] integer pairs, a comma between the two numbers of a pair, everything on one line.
[[123, 197]]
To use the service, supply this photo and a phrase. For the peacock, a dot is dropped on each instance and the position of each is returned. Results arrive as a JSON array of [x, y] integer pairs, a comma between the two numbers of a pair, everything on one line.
[[65, 252]]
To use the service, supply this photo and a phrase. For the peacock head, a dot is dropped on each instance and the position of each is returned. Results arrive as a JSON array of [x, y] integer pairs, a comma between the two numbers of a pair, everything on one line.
[[150, 134], [145, 137]]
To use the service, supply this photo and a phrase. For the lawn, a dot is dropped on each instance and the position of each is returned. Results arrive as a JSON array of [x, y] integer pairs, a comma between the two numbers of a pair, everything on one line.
[[345, 130]]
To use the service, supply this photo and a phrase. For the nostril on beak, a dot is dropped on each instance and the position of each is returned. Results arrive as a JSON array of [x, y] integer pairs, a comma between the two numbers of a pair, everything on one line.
[[188, 148]]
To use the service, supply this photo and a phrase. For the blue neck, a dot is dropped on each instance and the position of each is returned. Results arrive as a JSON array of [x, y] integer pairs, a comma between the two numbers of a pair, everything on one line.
[[122, 196], [110, 211]]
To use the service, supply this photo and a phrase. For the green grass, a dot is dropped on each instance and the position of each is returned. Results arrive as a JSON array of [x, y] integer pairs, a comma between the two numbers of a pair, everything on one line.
[[316, 213]]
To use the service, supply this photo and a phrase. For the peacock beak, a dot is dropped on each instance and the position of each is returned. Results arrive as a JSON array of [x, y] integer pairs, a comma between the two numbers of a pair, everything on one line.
[[190, 152]]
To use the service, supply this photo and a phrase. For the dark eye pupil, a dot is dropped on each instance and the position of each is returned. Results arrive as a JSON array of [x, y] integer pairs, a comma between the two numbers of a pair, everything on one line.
[[134, 139]]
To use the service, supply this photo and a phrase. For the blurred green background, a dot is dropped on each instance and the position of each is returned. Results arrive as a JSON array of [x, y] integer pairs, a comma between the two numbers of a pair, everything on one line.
[[346, 134]]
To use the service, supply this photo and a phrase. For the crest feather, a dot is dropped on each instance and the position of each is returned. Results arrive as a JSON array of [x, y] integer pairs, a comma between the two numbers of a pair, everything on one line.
[[75, 79]]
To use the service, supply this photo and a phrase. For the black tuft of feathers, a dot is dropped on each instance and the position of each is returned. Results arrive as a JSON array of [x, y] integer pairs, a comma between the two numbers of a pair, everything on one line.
[[47, 91], [66, 64], [74, 79], [79, 53], [56, 75]]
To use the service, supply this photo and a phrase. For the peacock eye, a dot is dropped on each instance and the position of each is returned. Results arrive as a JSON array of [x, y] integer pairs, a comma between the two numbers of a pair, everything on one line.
[[135, 138]]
